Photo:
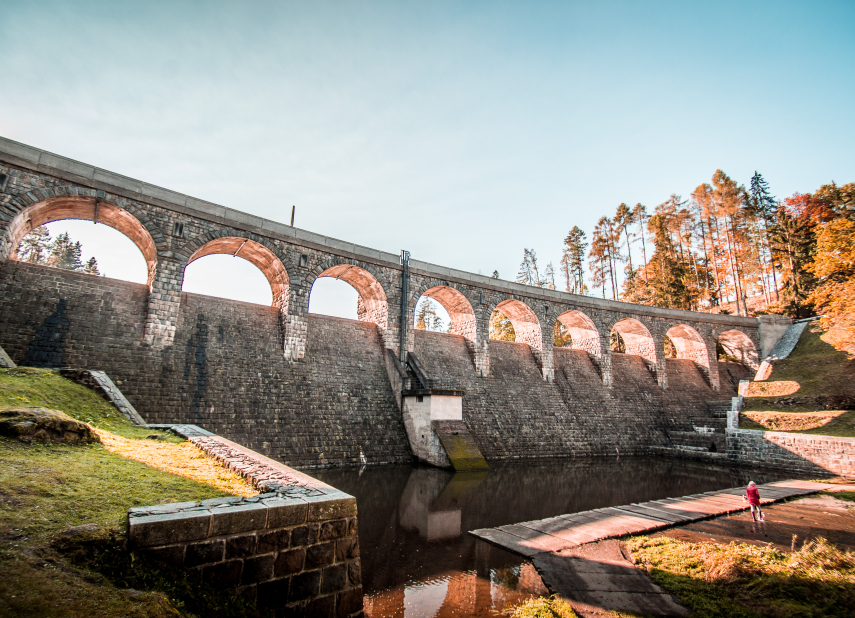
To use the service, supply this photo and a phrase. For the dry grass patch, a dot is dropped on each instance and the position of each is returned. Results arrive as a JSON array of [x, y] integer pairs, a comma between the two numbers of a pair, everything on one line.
[[183, 459], [740, 579], [793, 421]]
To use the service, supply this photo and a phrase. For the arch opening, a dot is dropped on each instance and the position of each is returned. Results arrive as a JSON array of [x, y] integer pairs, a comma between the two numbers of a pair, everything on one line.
[[738, 347], [687, 343], [461, 315], [635, 339], [85, 209], [371, 303], [525, 324], [256, 254], [582, 332]]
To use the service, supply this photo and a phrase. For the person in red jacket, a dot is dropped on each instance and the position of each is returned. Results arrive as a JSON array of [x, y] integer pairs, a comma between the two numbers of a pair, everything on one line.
[[753, 496]]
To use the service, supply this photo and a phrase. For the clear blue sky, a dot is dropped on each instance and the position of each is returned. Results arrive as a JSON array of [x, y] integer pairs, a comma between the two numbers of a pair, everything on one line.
[[461, 131]]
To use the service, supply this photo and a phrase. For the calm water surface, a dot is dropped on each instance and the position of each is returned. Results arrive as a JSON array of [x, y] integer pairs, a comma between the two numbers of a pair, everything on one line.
[[418, 560]]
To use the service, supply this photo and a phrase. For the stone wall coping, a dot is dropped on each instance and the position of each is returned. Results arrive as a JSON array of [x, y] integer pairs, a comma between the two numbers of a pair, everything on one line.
[[801, 437], [39, 160], [296, 499]]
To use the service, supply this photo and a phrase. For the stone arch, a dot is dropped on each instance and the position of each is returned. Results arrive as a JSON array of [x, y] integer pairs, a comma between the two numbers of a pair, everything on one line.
[[583, 332], [525, 322], [372, 304], [740, 346], [459, 310], [637, 337], [259, 255], [689, 344], [123, 218]]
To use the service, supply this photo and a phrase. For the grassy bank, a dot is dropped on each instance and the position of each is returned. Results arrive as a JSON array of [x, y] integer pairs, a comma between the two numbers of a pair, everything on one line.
[[743, 580], [817, 379], [63, 510]]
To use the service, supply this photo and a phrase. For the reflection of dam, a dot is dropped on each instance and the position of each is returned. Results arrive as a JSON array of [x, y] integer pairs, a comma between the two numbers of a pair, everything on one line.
[[431, 502]]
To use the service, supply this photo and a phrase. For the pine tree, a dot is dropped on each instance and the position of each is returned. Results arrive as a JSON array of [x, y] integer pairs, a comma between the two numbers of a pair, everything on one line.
[[91, 267], [549, 276], [35, 247], [763, 205], [65, 253], [573, 261]]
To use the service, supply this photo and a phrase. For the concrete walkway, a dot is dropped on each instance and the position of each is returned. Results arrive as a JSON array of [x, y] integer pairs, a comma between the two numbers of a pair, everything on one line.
[[602, 582]]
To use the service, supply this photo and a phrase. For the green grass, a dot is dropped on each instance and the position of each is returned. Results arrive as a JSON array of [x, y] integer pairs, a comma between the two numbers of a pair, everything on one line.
[[27, 386], [816, 365], [744, 580], [47, 488], [848, 496]]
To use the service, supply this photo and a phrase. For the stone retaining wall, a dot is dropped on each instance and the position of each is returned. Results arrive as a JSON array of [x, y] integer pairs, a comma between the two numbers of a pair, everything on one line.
[[792, 451], [294, 549]]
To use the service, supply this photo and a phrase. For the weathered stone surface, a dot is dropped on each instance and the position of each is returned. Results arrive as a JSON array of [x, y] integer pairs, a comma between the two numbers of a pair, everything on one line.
[[30, 424]]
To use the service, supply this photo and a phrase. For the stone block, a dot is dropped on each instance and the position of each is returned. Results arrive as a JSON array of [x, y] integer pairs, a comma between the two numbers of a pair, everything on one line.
[[241, 546], [346, 549], [238, 518], [168, 528], [304, 586], [322, 607], [334, 505], [257, 569], [289, 562], [304, 535], [204, 553], [333, 530], [274, 541], [285, 512], [172, 556], [320, 555], [349, 602], [354, 572], [223, 574], [274, 593], [334, 578]]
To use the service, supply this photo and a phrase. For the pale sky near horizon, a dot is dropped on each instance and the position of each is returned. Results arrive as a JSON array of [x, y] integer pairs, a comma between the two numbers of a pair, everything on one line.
[[461, 131]]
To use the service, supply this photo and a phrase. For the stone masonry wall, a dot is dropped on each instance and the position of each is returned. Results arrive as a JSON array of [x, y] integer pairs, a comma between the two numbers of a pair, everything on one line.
[[224, 372], [790, 451], [294, 551], [515, 413]]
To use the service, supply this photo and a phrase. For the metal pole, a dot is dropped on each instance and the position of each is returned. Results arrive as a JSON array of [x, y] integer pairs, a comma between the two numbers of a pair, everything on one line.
[[405, 292], [293, 208]]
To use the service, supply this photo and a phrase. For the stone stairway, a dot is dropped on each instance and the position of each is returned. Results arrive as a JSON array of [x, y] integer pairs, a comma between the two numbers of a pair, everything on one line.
[[460, 446]]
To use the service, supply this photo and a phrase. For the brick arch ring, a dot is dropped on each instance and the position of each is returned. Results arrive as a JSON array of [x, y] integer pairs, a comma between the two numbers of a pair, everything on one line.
[[115, 213], [455, 302], [638, 338], [583, 332], [524, 320], [259, 252], [373, 304]]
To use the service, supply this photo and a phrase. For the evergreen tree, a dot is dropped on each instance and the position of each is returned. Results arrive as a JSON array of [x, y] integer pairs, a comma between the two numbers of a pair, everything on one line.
[[549, 276], [528, 273], [573, 261], [65, 253], [35, 247], [761, 204], [91, 267]]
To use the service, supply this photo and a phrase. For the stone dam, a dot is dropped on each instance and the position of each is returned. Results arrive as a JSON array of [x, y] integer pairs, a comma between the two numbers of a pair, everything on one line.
[[312, 390]]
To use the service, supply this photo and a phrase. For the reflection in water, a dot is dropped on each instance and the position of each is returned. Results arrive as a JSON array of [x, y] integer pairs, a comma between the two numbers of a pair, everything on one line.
[[418, 561]]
